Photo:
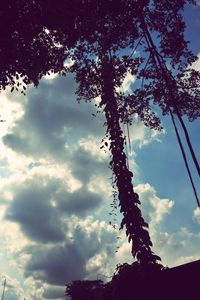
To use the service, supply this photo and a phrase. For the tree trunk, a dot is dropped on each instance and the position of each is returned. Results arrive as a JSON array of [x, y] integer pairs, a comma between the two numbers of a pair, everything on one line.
[[136, 227]]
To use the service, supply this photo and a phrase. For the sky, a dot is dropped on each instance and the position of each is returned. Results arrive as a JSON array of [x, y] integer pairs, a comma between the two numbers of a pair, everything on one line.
[[56, 189]]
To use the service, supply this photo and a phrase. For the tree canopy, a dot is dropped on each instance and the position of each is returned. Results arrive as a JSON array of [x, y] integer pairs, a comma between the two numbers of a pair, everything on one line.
[[39, 36]]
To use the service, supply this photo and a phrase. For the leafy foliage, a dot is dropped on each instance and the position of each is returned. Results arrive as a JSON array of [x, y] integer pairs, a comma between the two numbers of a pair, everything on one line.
[[85, 290], [135, 280], [27, 52]]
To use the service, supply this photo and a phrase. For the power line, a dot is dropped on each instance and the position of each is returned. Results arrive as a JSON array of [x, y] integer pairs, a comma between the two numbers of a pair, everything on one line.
[[184, 158]]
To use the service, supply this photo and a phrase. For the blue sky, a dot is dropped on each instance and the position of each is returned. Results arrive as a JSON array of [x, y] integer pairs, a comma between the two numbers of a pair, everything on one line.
[[56, 189]]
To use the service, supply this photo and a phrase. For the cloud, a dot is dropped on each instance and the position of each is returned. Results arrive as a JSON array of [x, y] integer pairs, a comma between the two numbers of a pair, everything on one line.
[[196, 64], [35, 289], [91, 144], [51, 117], [141, 136], [78, 202], [196, 215], [154, 208], [55, 265], [13, 291], [178, 247], [33, 210], [39, 203], [48, 190], [175, 247], [69, 261], [84, 164], [53, 292], [10, 113], [127, 82]]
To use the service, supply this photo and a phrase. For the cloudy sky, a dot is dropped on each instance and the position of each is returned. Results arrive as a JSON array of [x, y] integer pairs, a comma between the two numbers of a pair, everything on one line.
[[56, 189]]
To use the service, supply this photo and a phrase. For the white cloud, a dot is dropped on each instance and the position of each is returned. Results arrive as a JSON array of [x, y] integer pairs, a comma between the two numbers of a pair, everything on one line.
[[35, 289], [141, 136], [10, 112], [177, 247], [196, 64], [100, 185], [154, 208], [13, 290], [51, 76], [196, 215], [93, 146], [123, 251], [126, 85]]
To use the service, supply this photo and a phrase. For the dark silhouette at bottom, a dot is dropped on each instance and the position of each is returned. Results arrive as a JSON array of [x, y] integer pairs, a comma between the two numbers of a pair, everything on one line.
[[141, 282]]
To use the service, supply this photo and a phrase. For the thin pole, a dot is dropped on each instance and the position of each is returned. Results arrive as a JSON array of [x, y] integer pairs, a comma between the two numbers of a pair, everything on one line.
[[3, 292]]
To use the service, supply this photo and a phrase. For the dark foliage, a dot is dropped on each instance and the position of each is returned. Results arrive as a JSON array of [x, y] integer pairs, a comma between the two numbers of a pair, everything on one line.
[[136, 281], [27, 52], [85, 290]]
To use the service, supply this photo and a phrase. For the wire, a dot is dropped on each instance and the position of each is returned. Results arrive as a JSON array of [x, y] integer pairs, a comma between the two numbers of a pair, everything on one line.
[[166, 74], [189, 142], [125, 144], [135, 48], [184, 158], [129, 140]]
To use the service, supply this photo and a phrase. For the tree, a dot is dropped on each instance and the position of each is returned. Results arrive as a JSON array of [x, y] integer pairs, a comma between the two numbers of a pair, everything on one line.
[[103, 48]]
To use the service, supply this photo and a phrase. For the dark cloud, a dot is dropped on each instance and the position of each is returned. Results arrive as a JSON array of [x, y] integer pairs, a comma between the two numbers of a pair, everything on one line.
[[52, 117], [83, 165], [56, 265], [40, 204], [63, 263], [43, 205], [79, 202], [32, 209]]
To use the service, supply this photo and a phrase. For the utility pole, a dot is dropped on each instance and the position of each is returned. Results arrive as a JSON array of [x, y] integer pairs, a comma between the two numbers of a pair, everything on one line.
[[3, 292]]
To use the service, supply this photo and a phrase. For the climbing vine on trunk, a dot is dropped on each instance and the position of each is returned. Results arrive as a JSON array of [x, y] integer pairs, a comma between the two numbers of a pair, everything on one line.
[[136, 227]]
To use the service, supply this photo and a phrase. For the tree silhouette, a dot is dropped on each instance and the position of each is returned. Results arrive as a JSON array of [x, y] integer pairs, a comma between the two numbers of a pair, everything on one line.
[[85, 290], [102, 38], [97, 42]]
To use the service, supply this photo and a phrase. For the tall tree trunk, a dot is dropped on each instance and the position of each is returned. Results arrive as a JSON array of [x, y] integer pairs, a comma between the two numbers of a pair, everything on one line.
[[136, 227]]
